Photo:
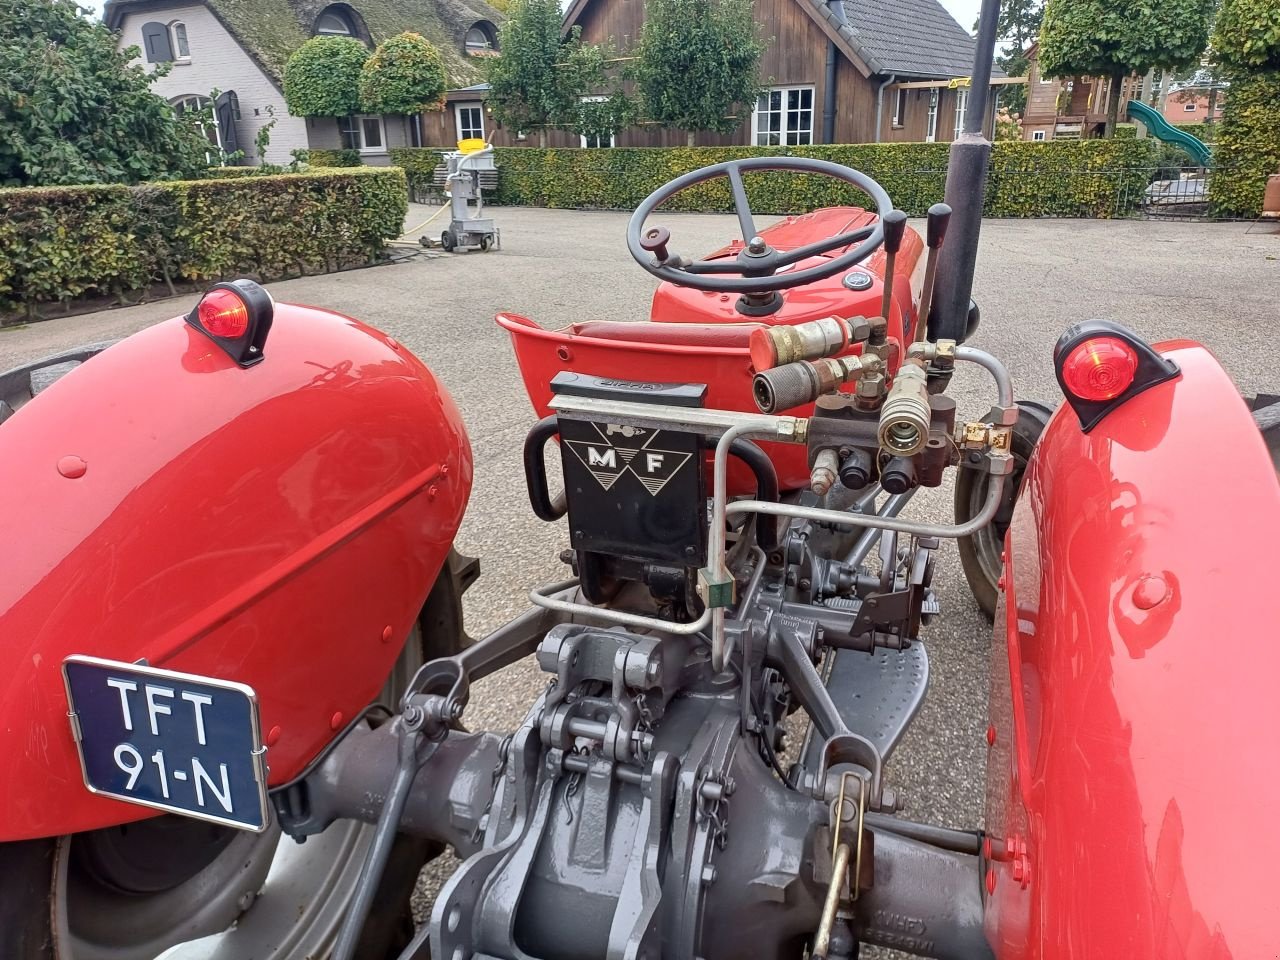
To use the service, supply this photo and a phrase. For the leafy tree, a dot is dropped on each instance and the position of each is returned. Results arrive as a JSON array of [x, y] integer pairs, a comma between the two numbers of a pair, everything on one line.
[[1246, 36], [697, 60], [1017, 28], [539, 80], [73, 109], [1115, 39], [322, 78], [405, 76]]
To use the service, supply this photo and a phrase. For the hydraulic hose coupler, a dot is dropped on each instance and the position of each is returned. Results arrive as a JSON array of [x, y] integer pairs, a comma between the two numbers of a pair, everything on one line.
[[775, 346], [795, 384], [904, 417]]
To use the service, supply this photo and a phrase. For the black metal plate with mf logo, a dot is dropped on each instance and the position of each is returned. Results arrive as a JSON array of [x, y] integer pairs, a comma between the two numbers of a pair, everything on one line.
[[633, 491]]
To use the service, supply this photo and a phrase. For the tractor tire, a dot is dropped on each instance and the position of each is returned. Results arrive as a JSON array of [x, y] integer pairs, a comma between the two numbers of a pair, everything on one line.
[[61, 899], [447, 241], [1268, 420], [981, 555]]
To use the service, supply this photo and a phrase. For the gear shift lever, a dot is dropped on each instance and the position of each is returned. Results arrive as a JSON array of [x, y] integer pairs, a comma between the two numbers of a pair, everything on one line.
[[895, 224], [939, 217]]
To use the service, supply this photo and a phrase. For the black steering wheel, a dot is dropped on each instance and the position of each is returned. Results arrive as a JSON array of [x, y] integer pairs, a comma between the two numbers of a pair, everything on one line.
[[757, 262]]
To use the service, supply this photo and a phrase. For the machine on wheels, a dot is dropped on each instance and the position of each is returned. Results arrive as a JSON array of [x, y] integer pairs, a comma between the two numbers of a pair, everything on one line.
[[239, 627], [469, 228]]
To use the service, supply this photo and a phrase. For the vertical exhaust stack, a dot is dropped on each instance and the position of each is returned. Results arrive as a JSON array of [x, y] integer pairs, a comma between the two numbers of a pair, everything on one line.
[[966, 191]]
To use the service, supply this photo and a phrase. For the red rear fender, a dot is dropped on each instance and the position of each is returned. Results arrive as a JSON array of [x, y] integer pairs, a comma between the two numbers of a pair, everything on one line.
[[279, 525]]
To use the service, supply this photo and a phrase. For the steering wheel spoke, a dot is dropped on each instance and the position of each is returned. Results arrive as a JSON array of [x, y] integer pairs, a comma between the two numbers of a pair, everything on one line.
[[716, 275]]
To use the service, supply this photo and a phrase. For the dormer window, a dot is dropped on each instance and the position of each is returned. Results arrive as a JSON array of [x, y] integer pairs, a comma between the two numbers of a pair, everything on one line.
[[166, 42], [181, 49], [332, 23], [481, 39]]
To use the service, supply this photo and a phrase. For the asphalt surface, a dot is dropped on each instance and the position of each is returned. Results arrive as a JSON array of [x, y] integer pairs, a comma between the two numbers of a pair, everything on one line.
[[1217, 283]]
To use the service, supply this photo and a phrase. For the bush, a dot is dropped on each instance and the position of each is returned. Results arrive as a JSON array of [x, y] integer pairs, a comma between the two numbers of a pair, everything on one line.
[[419, 165], [405, 75], [322, 78], [1248, 146], [1084, 178], [348, 157], [58, 244]]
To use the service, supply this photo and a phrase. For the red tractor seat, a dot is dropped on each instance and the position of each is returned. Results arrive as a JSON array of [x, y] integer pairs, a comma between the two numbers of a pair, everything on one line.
[[712, 353]]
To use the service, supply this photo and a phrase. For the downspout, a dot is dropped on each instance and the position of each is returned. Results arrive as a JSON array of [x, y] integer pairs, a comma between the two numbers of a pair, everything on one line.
[[880, 102], [829, 91]]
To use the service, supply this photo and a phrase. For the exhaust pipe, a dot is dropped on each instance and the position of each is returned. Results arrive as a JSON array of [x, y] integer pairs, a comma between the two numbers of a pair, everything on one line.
[[965, 194]]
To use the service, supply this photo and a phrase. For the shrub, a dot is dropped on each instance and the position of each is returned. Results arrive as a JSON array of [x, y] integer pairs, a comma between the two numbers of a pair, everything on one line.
[[347, 157], [58, 244], [1248, 148], [322, 79], [405, 75], [1089, 178]]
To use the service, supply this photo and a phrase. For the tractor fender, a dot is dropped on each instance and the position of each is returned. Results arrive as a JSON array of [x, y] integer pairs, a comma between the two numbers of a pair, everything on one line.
[[279, 525], [1131, 788]]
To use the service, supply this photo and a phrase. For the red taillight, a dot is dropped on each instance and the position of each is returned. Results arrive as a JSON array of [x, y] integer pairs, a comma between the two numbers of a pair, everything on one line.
[[223, 314], [1100, 368]]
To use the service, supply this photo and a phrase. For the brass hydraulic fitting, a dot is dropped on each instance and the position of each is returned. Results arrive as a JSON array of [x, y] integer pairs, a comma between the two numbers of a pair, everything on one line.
[[904, 417], [803, 381], [774, 346]]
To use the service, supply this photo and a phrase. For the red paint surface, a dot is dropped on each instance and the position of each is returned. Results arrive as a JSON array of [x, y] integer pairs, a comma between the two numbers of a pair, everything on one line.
[[706, 341], [262, 525], [1141, 772]]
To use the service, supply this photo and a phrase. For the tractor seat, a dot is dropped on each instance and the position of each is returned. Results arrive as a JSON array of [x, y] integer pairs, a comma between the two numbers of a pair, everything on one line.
[[733, 336]]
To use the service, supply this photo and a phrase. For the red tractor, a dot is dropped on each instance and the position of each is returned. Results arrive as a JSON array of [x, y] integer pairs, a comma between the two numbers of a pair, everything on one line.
[[230, 612]]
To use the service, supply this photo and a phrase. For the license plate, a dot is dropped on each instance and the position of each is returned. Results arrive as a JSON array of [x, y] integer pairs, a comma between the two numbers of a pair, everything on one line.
[[173, 741]]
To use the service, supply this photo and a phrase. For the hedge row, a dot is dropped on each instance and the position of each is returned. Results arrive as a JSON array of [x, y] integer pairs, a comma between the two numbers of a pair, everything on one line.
[[59, 244], [1248, 145], [1088, 178], [330, 158]]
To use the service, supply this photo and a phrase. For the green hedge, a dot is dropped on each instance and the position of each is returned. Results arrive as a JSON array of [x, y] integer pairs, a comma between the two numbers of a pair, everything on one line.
[[60, 244], [1087, 178], [419, 164], [1248, 146], [330, 158]]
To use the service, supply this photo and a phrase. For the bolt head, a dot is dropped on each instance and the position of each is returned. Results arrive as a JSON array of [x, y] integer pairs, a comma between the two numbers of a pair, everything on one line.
[[756, 245]]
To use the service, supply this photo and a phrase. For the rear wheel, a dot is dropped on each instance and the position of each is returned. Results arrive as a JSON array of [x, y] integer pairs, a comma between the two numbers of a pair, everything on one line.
[[181, 889], [447, 241], [981, 555]]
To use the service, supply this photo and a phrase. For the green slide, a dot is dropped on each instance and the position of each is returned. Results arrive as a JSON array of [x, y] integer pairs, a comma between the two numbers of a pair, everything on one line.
[[1159, 127]]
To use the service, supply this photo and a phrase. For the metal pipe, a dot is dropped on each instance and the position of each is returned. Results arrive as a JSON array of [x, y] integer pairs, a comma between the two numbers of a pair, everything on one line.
[[1004, 382], [880, 103], [829, 96], [538, 597], [839, 867], [945, 838], [867, 542]]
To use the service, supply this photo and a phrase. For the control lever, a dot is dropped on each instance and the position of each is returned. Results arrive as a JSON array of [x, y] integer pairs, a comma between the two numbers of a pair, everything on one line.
[[939, 217], [895, 225], [655, 240]]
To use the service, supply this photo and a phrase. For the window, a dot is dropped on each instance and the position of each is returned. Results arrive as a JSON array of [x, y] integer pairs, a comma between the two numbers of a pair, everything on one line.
[[899, 107], [331, 23], [962, 107], [181, 49], [470, 117], [481, 40], [194, 103], [157, 43], [362, 133], [783, 116], [1189, 107], [931, 125], [1037, 135], [596, 140]]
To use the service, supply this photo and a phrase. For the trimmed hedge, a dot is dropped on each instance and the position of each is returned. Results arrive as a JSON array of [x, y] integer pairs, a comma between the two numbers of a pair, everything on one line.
[[1063, 178], [60, 244], [331, 158], [1248, 145]]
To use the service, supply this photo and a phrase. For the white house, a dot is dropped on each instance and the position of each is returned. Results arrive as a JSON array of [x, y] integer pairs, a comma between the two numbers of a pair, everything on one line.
[[233, 52]]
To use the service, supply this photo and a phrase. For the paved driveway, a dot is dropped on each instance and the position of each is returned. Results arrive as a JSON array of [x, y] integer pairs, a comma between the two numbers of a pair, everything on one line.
[[1214, 282]]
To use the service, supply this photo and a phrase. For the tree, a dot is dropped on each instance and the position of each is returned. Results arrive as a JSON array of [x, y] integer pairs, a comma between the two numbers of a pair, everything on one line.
[[74, 108], [698, 59], [322, 78], [1017, 29], [1246, 36], [1115, 39], [405, 76]]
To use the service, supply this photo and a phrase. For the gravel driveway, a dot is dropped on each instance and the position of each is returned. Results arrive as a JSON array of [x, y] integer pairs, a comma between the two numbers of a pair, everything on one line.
[[1218, 283]]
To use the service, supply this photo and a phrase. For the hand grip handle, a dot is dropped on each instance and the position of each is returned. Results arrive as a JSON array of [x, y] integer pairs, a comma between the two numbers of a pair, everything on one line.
[[895, 225], [939, 217], [655, 240]]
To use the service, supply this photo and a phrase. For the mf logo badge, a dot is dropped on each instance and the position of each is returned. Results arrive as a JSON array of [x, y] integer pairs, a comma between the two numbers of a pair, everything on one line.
[[625, 448]]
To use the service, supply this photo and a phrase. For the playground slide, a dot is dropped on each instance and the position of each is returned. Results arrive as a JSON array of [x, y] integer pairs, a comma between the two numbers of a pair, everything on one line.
[[1159, 127]]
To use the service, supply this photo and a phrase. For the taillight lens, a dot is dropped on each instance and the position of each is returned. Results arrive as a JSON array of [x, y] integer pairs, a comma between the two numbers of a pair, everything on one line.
[[222, 313], [1100, 368]]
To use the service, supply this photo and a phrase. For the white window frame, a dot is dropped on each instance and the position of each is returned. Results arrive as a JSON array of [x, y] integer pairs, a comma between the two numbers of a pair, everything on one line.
[[1038, 136], [613, 137], [359, 120], [899, 107], [784, 131], [962, 108], [480, 49], [174, 47], [476, 105], [346, 30], [931, 124], [1190, 107]]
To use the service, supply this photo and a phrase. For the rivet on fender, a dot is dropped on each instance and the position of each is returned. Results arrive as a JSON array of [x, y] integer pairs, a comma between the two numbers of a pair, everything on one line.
[[335, 721], [1150, 591], [387, 634], [72, 467]]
